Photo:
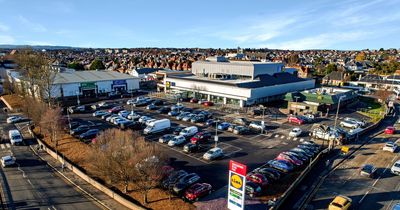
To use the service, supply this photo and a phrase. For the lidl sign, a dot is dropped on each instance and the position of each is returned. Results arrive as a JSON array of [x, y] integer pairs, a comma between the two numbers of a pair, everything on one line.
[[237, 185]]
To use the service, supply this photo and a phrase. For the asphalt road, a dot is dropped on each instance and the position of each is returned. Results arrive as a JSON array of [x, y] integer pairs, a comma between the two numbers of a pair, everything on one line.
[[381, 192], [32, 184]]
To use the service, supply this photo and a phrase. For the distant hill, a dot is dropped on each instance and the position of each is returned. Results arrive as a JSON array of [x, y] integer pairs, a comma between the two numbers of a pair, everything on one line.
[[37, 47]]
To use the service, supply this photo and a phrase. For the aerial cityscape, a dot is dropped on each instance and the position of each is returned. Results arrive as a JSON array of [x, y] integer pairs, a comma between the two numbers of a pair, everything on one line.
[[211, 105]]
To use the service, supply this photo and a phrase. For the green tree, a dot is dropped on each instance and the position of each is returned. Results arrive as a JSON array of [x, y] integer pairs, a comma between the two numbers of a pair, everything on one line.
[[330, 68], [97, 64], [76, 66]]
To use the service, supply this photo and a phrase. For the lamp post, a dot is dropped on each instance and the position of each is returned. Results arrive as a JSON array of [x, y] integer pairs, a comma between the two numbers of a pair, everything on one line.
[[336, 117], [263, 116], [216, 133], [296, 97]]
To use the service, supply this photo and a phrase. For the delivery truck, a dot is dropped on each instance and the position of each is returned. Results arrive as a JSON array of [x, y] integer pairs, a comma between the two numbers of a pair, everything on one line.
[[157, 126]]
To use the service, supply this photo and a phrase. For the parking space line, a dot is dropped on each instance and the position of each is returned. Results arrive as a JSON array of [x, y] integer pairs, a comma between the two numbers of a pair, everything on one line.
[[180, 151], [288, 138], [295, 139], [301, 140], [254, 137], [282, 137], [8, 145], [2, 146], [276, 136]]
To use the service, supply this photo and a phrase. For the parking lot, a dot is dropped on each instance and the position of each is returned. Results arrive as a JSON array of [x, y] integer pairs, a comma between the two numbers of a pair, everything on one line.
[[253, 149]]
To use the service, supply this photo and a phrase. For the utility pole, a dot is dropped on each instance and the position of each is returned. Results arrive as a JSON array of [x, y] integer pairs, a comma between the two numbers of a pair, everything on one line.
[[216, 133], [77, 98], [336, 117]]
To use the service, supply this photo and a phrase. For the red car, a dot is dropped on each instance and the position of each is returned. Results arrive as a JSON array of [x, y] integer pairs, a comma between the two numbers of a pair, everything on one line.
[[194, 100], [297, 120], [201, 137], [116, 109], [258, 179], [197, 190], [290, 159], [390, 130], [208, 103]]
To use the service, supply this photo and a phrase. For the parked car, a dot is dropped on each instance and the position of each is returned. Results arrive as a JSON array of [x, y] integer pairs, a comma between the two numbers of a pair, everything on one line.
[[197, 190], [90, 134], [14, 119], [368, 170], [177, 140], [198, 118], [206, 114], [241, 130], [295, 132], [253, 189], [340, 202], [74, 124], [173, 178], [194, 100], [163, 110], [188, 117], [103, 117], [124, 113], [390, 130], [213, 154], [173, 113], [390, 146], [157, 102], [166, 138], [177, 130], [231, 127], [76, 109], [395, 169], [349, 124], [281, 165], [157, 126], [144, 118], [191, 147], [201, 137], [116, 109], [185, 182], [189, 132], [241, 121], [151, 107], [133, 116], [258, 179], [208, 103], [182, 115], [223, 126], [299, 156], [270, 173], [291, 159], [210, 122], [119, 121], [110, 117], [177, 107], [7, 160], [309, 118], [79, 130], [296, 119], [307, 153], [257, 125], [99, 113], [186, 109], [361, 123]]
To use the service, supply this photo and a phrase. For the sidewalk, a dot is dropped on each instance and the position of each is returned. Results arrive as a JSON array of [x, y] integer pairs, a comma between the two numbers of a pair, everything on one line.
[[103, 200]]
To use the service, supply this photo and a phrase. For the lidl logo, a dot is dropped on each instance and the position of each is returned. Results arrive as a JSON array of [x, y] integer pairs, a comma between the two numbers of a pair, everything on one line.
[[236, 181]]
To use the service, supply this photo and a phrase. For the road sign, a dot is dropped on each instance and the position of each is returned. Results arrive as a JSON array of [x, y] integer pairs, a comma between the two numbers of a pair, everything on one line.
[[237, 185]]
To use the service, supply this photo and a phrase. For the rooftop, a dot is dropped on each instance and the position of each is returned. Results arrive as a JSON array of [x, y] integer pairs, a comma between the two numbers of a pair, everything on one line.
[[327, 91], [89, 76]]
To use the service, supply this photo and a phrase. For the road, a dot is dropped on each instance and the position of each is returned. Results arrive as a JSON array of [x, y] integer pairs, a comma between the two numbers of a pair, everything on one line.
[[32, 184], [381, 192]]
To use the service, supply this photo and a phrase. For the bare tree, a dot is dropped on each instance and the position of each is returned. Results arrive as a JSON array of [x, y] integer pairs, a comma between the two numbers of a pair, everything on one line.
[[45, 83], [382, 95], [34, 109], [52, 123]]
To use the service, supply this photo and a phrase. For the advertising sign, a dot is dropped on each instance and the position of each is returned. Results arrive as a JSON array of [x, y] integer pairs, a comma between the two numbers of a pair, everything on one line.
[[237, 185], [119, 82]]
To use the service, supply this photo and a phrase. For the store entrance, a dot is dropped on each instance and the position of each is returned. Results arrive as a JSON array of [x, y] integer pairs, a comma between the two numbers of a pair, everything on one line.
[[89, 93]]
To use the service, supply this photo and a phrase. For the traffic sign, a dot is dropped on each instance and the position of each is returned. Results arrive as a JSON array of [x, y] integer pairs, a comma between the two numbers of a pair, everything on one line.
[[237, 185], [216, 138]]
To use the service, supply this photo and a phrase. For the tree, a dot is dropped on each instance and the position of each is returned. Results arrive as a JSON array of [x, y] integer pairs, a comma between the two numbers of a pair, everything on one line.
[[46, 84], [52, 124], [360, 56], [293, 59], [34, 109], [97, 64], [382, 95], [76, 66], [330, 68]]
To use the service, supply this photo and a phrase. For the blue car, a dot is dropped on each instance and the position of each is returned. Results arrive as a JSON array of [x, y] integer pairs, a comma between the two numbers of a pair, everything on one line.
[[223, 126], [281, 165], [210, 122]]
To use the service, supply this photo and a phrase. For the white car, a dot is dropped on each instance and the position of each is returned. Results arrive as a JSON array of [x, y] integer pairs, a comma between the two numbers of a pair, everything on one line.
[[361, 123], [149, 121], [295, 132], [349, 124], [176, 141], [14, 119], [133, 116], [143, 119], [213, 153], [124, 113], [7, 161], [390, 146], [257, 125], [396, 168]]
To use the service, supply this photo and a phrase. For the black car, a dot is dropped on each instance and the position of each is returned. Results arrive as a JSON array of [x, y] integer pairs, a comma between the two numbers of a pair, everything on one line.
[[197, 111], [186, 109], [198, 118], [270, 173], [74, 124], [185, 182], [164, 110], [190, 147], [90, 134], [152, 107], [253, 189], [206, 114], [103, 117], [79, 130], [157, 102], [166, 138], [177, 130], [241, 130], [173, 178]]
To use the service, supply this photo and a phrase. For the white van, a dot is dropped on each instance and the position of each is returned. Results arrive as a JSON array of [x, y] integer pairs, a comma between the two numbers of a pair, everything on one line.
[[189, 131], [157, 126], [15, 137]]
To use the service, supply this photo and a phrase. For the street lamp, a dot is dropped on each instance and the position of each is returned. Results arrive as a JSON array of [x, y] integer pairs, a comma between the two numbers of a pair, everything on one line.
[[216, 133], [336, 117], [262, 122]]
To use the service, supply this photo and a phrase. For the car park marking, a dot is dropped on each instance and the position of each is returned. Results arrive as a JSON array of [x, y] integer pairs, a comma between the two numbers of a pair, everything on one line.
[[295, 139], [186, 154], [7, 145], [301, 140], [282, 137], [288, 138], [276, 136], [2, 146]]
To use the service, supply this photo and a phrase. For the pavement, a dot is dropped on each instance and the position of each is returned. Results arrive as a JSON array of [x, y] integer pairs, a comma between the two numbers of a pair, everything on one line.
[[34, 184]]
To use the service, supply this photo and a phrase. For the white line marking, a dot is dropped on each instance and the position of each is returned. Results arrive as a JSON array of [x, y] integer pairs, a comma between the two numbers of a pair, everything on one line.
[[363, 197], [295, 139], [276, 136], [301, 140], [282, 137], [288, 138], [254, 137], [8, 145], [2, 146]]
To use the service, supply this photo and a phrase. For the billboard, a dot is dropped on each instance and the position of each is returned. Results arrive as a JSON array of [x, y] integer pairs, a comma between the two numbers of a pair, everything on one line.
[[237, 185]]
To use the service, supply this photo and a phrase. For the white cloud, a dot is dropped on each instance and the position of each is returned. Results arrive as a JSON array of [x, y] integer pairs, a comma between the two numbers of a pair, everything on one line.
[[321, 41], [38, 43], [31, 25], [4, 27], [6, 39]]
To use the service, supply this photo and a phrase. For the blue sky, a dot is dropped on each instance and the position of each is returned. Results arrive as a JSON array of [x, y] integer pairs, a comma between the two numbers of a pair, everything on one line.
[[284, 24]]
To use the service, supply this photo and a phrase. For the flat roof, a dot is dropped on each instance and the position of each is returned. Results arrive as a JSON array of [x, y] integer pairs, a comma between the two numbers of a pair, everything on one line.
[[239, 63], [327, 91], [90, 76]]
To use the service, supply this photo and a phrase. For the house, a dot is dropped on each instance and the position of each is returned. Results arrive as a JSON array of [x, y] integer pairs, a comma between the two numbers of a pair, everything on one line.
[[334, 78]]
